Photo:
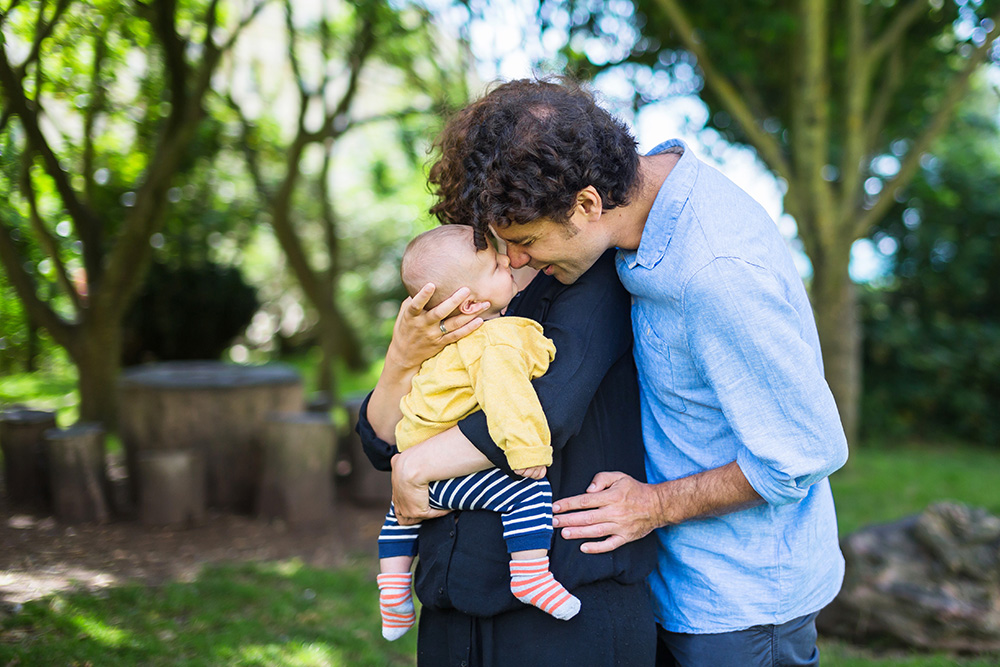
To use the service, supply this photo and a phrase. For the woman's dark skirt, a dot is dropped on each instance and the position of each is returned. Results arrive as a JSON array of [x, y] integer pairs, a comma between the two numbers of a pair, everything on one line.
[[615, 626]]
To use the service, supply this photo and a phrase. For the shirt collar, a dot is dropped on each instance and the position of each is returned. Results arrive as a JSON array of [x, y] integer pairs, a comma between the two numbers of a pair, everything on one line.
[[667, 207]]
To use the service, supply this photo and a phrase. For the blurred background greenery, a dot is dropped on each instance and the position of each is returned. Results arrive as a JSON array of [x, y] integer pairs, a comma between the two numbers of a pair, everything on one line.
[[235, 180]]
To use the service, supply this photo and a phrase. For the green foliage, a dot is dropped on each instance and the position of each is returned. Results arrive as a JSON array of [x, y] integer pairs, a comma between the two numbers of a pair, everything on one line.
[[887, 480], [753, 43], [932, 352], [51, 387], [188, 312], [277, 614]]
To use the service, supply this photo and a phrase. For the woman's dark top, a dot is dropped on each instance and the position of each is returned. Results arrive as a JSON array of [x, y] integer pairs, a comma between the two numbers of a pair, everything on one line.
[[590, 396]]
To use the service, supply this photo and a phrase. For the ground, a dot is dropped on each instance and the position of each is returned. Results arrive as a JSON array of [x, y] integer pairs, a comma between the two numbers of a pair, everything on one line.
[[39, 555]]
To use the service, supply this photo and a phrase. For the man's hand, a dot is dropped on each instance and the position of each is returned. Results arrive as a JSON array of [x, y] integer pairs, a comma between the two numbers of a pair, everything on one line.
[[615, 507], [409, 493], [537, 472]]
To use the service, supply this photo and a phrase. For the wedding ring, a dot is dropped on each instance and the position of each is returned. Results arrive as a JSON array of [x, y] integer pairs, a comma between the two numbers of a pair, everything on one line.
[[441, 327]]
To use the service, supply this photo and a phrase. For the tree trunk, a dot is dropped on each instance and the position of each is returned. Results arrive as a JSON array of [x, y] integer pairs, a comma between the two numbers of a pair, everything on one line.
[[98, 361], [834, 299]]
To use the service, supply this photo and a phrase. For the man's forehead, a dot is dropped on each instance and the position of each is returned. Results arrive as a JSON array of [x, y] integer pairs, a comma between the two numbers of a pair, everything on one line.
[[518, 233]]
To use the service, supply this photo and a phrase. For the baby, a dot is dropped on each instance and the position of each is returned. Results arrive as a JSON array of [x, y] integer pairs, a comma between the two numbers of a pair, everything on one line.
[[490, 369]]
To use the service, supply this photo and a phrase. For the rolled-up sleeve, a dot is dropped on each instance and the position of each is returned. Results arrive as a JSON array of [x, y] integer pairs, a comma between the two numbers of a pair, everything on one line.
[[747, 340], [378, 451]]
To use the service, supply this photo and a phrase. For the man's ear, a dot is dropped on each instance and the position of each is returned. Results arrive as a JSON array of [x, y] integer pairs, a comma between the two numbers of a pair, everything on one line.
[[469, 306], [589, 204]]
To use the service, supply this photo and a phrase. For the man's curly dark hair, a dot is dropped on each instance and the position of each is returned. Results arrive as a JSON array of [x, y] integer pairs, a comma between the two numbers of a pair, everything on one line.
[[524, 151]]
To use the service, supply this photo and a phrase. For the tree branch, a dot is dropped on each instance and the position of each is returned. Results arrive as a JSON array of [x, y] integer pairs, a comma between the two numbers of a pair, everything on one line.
[[39, 311], [856, 94], [887, 89], [4, 13], [363, 43], [45, 238], [328, 217], [5, 118], [18, 104], [293, 54], [811, 119], [391, 115], [165, 26], [937, 125], [94, 106], [244, 22], [42, 32], [250, 154], [894, 32], [768, 146]]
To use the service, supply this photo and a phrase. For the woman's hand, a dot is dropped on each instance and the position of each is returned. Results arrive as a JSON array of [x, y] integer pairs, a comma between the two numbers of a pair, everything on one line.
[[410, 496], [419, 334]]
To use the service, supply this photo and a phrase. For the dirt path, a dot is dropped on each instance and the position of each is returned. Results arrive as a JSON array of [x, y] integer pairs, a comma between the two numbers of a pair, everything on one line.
[[39, 556]]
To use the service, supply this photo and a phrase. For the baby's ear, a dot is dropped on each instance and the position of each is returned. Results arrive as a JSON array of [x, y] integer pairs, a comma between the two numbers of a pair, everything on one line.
[[469, 306]]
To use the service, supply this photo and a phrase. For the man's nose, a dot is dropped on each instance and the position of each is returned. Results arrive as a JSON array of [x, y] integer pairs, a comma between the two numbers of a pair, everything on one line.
[[516, 256]]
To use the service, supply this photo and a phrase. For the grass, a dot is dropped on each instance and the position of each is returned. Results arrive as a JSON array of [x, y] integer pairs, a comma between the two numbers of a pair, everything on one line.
[[883, 482], [287, 614], [51, 388], [275, 614]]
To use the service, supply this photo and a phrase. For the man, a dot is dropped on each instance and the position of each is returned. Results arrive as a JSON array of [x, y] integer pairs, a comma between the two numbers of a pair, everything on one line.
[[740, 428]]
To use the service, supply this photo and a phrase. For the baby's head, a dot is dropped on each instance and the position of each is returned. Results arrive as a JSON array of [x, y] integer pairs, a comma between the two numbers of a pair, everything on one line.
[[447, 257]]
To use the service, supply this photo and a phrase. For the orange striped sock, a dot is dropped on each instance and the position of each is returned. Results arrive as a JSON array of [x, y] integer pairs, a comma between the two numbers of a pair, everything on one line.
[[396, 604], [532, 583]]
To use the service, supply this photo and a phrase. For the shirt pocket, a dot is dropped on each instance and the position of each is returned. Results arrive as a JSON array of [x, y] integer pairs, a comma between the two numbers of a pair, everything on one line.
[[653, 360]]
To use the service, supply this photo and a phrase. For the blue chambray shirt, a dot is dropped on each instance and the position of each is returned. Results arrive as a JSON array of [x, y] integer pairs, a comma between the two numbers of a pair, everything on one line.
[[730, 369]]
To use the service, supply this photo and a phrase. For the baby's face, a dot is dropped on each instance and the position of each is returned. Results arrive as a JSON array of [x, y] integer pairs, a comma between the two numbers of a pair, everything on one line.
[[490, 279]]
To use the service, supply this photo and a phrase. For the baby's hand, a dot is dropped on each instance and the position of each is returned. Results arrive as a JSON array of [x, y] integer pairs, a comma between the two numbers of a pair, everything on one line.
[[532, 473]]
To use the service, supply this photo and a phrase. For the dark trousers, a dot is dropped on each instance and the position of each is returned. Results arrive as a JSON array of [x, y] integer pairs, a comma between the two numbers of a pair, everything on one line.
[[615, 627], [791, 644]]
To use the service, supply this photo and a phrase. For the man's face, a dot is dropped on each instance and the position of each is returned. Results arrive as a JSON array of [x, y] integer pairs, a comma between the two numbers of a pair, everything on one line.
[[564, 251]]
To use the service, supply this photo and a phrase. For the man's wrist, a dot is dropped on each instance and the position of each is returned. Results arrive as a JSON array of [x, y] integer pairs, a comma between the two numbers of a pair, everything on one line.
[[667, 504]]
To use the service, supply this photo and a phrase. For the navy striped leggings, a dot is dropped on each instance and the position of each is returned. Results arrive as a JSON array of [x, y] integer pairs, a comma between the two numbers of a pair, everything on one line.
[[525, 506]]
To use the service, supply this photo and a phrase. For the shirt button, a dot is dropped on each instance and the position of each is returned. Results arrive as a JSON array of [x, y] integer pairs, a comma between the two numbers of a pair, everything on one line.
[[451, 533], [440, 591]]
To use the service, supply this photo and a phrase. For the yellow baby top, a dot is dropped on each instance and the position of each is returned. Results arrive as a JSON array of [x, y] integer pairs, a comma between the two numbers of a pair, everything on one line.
[[490, 369]]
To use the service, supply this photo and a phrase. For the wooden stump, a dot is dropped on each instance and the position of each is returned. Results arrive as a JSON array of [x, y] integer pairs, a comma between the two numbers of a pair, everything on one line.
[[366, 485], [296, 484], [25, 467], [216, 409], [172, 487], [77, 473]]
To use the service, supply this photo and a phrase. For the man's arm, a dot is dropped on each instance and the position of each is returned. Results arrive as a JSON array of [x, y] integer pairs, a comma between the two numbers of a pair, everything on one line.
[[621, 509]]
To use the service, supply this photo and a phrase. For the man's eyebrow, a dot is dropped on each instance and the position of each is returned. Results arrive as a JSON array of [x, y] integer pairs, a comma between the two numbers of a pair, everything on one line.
[[518, 240]]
